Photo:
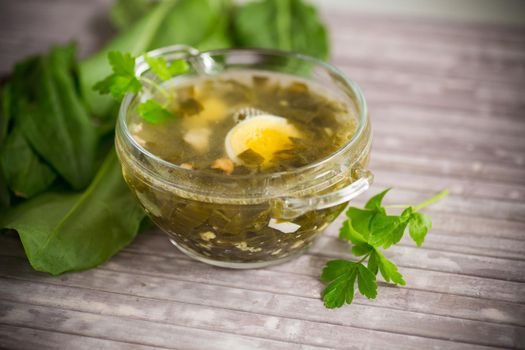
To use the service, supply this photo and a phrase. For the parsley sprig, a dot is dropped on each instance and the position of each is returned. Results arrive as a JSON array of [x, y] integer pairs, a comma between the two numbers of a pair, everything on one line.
[[123, 80], [369, 230]]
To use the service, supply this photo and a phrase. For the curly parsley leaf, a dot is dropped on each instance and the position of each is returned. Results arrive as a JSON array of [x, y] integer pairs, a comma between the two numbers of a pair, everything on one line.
[[368, 230]]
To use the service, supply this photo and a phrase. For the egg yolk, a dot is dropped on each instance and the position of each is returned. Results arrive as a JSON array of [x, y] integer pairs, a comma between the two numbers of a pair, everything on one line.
[[264, 135], [268, 141]]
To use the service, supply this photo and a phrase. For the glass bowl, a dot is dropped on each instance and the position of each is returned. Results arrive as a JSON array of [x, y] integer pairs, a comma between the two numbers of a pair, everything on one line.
[[248, 221]]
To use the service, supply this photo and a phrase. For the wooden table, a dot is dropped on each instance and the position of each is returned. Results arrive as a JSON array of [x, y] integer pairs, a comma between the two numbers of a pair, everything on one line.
[[447, 102]]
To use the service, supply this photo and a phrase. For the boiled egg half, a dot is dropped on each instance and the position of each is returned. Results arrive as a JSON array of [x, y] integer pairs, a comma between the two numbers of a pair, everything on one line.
[[264, 134]]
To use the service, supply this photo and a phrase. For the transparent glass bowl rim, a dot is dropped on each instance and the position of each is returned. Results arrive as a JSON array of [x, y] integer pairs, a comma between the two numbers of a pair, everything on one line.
[[189, 52]]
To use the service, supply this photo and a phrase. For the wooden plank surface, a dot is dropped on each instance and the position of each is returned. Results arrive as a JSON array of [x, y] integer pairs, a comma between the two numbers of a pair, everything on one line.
[[447, 101]]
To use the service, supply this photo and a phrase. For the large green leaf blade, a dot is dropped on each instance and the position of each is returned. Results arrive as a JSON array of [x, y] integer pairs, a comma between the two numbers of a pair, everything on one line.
[[126, 12], [24, 172], [6, 102], [136, 40], [281, 24], [75, 231], [5, 115], [314, 40], [204, 17], [53, 118]]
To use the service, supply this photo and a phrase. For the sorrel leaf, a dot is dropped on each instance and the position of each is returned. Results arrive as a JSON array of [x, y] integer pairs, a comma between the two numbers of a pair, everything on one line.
[[48, 110], [24, 172], [291, 25], [75, 231]]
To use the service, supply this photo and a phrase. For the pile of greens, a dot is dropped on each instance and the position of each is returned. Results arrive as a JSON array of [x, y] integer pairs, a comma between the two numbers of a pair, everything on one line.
[[60, 182]]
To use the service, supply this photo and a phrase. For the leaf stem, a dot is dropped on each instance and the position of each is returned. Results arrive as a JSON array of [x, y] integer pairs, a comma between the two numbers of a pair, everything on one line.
[[363, 258], [154, 84], [421, 205], [397, 206], [431, 200]]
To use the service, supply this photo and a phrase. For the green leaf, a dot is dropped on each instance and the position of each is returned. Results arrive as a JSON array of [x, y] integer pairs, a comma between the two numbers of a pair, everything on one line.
[[387, 230], [126, 12], [5, 197], [366, 281], [375, 203], [121, 85], [24, 171], [361, 249], [347, 232], [178, 67], [370, 225], [373, 264], [50, 112], [204, 17], [388, 269], [75, 231], [136, 40], [340, 276], [359, 221], [369, 229], [281, 24], [122, 63], [159, 66], [419, 226], [152, 112], [5, 116], [218, 34], [165, 24], [123, 79], [6, 97], [381, 227], [165, 71]]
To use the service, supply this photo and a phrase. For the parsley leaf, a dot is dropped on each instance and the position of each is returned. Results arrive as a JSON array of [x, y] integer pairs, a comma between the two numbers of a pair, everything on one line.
[[366, 281], [166, 71], [368, 230], [153, 112], [341, 276], [389, 229], [123, 79], [419, 226], [374, 203], [349, 233], [386, 267], [362, 249]]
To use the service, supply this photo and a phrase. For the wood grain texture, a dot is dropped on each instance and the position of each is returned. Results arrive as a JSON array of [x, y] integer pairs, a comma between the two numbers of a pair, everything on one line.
[[446, 101]]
